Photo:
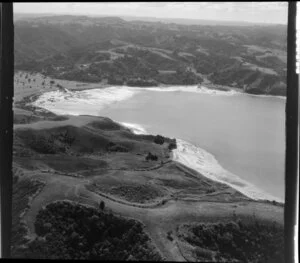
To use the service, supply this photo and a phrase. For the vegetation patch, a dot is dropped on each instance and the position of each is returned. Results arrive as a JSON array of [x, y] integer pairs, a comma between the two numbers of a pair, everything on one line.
[[47, 142], [179, 184], [132, 192], [159, 139], [22, 118], [244, 240], [105, 124], [23, 190], [113, 147], [72, 163], [151, 157], [72, 231], [63, 140], [136, 193]]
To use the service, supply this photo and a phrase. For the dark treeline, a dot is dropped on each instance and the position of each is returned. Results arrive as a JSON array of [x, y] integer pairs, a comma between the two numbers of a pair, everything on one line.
[[69, 231]]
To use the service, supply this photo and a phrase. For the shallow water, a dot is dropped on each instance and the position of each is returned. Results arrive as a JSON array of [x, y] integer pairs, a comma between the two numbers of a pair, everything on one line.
[[245, 134]]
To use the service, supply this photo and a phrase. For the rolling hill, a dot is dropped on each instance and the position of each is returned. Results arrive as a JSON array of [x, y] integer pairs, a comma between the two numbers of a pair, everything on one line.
[[149, 53]]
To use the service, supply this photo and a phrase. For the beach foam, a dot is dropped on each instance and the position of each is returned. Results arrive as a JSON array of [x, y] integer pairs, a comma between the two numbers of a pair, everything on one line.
[[206, 164], [193, 89], [267, 96], [85, 102]]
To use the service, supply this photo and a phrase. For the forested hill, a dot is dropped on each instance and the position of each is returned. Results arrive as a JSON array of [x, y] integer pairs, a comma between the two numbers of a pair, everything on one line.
[[141, 53]]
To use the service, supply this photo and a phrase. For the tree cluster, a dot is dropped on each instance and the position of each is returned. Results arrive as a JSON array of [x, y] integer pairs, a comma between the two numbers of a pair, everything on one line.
[[241, 241], [159, 139], [69, 231], [51, 144], [113, 147], [151, 157], [172, 144]]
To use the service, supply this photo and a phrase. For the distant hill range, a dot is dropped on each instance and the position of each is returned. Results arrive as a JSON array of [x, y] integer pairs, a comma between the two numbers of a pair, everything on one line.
[[138, 52], [185, 21]]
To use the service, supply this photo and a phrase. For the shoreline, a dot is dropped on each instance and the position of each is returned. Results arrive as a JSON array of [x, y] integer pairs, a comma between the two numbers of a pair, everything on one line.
[[104, 96], [137, 129], [177, 156], [214, 87], [183, 87], [80, 86]]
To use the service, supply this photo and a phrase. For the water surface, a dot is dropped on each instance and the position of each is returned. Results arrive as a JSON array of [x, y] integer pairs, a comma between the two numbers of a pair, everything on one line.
[[245, 133]]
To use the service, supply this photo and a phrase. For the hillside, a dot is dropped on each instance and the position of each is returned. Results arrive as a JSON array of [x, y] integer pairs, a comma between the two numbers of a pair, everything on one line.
[[142, 53]]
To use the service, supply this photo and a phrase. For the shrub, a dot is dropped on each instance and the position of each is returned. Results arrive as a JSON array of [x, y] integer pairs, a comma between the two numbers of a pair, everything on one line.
[[151, 157], [102, 205], [172, 144], [169, 235], [253, 241], [112, 147], [159, 139], [170, 238], [79, 232], [201, 252]]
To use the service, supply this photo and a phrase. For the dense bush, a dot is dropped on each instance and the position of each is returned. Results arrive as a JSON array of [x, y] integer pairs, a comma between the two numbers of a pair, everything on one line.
[[241, 241], [102, 205], [136, 193], [181, 77], [43, 145], [141, 83], [23, 190], [172, 144], [159, 139], [151, 157], [69, 231], [113, 147], [51, 144]]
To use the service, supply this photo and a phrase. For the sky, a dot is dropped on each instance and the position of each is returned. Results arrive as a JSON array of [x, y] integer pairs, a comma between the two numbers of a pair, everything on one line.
[[256, 12]]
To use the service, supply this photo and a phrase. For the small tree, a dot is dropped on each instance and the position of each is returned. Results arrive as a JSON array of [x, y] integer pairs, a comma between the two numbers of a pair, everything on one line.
[[159, 139], [151, 157], [172, 145], [169, 235], [102, 205]]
